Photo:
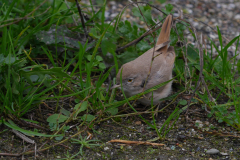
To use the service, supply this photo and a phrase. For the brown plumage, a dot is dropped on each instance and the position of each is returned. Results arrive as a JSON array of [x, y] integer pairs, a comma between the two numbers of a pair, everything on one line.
[[134, 73]]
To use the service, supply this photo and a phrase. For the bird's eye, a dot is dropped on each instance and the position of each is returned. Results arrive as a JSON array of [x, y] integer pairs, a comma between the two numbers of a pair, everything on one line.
[[130, 80]]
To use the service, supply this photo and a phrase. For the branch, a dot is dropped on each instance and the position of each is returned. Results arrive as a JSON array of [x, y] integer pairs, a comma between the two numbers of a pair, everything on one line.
[[82, 20]]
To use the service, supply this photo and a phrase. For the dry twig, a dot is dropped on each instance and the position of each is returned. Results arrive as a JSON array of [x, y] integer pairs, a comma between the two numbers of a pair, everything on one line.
[[82, 19], [135, 142]]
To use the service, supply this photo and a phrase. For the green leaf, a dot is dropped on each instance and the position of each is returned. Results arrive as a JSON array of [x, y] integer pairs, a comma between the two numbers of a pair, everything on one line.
[[14, 126], [146, 11], [148, 16], [89, 57], [10, 60], [83, 106], [125, 28], [113, 111], [143, 46], [59, 138], [93, 33], [162, 1], [102, 66], [104, 46], [127, 56], [192, 52], [169, 8], [65, 112], [238, 66], [56, 118], [99, 58], [108, 45], [180, 28], [183, 102], [88, 117]]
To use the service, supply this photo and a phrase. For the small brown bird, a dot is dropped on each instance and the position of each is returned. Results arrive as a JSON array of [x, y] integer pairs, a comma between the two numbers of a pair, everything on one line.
[[135, 73]]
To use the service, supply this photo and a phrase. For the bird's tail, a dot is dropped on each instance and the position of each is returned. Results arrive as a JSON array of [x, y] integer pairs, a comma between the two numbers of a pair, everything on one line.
[[165, 32]]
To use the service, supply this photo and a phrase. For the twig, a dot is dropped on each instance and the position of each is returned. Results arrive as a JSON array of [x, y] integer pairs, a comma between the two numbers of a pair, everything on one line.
[[82, 19], [150, 31], [135, 142], [146, 33], [20, 135]]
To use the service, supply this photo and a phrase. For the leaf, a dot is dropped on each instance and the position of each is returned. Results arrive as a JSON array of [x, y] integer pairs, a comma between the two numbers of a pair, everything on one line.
[[102, 66], [104, 46], [183, 102], [99, 58], [127, 56], [59, 138], [83, 107], [93, 33], [56, 118], [12, 125], [143, 46], [65, 112], [113, 111], [192, 52], [88, 117], [148, 16], [169, 8], [89, 57], [162, 1], [180, 28], [238, 66], [10, 60], [73, 0], [146, 11], [125, 28]]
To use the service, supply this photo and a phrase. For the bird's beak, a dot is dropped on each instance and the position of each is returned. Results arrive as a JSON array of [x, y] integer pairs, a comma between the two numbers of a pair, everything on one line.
[[116, 86]]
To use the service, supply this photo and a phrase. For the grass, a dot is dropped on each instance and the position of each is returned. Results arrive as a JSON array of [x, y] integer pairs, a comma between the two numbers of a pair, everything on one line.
[[41, 60]]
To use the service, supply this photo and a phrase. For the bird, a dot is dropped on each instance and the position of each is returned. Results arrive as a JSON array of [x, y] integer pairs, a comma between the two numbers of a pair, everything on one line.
[[136, 76]]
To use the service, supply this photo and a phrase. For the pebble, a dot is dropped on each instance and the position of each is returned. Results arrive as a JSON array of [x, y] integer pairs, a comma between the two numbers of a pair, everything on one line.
[[212, 151], [237, 17], [106, 148], [224, 154], [199, 123], [222, 13]]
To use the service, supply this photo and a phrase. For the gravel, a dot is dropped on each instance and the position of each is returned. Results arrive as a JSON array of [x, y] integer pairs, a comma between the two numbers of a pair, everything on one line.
[[222, 13]]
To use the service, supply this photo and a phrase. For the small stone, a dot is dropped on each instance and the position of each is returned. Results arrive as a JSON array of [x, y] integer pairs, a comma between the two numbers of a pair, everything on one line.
[[237, 17], [138, 122], [173, 148], [167, 148], [114, 15], [189, 5], [113, 3], [224, 154], [99, 155], [128, 16], [106, 148], [199, 124], [212, 151], [211, 10]]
